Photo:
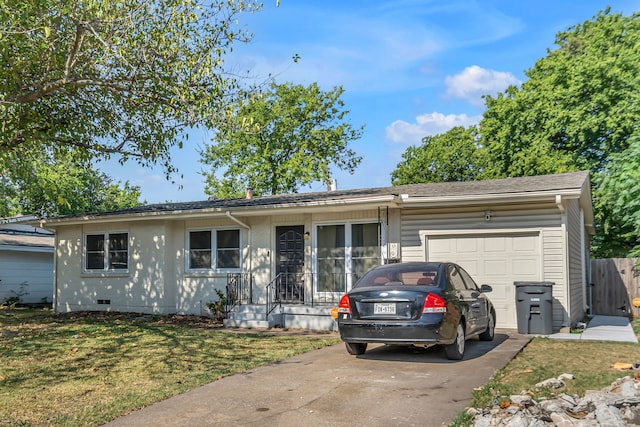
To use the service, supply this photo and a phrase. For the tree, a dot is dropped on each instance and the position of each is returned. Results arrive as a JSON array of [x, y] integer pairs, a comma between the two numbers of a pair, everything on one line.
[[451, 156], [64, 187], [577, 111], [617, 203], [282, 138], [580, 103], [101, 78]]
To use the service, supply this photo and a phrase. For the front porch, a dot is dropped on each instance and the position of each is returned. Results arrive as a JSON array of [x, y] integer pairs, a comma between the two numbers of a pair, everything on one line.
[[295, 301]]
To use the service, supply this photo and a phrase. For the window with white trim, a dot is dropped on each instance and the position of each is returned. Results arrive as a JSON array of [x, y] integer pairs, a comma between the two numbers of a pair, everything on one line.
[[214, 249], [344, 253], [106, 252]]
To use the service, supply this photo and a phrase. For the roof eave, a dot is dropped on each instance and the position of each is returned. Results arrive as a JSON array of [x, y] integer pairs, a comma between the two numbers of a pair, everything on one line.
[[256, 210], [487, 199]]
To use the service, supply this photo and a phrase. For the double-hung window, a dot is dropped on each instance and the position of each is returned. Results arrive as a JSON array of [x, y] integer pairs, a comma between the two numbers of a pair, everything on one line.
[[107, 252], [214, 249]]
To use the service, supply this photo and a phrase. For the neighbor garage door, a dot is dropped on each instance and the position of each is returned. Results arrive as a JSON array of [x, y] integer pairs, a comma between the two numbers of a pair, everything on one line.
[[496, 260]]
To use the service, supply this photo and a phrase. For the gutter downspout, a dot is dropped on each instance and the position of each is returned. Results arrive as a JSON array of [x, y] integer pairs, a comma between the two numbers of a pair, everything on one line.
[[237, 221], [559, 203], [565, 243], [583, 253], [248, 228], [54, 297]]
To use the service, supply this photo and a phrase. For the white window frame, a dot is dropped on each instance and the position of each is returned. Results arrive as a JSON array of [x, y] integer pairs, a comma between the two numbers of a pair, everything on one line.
[[214, 250], [106, 260], [348, 255]]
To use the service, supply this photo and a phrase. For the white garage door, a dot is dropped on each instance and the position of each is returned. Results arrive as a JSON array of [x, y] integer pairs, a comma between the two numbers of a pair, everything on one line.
[[496, 260]]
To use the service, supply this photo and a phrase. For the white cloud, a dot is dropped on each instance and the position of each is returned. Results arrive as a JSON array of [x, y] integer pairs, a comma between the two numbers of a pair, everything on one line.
[[425, 125], [475, 81]]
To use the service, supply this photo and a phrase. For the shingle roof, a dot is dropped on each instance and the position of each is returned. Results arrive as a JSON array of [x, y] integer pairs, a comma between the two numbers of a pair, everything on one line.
[[26, 240], [522, 185]]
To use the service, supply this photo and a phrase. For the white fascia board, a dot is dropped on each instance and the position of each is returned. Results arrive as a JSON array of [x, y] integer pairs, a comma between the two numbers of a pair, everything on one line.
[[542, 196], [25, 248], [327, 205]]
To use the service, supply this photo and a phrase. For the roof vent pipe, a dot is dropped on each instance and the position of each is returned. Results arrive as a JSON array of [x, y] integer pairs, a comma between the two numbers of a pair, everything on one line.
[[249, 193], [332, 185]]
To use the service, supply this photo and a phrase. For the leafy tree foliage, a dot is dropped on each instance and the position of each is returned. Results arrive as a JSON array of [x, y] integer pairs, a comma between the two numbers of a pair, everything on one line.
[[104, 78], [617, 203], [282, 138], [580, 104], [577, 111], [64, 187], [98, 78], [451, 156]]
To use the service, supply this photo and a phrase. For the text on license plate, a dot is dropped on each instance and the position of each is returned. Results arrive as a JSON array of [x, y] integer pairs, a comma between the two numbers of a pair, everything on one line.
[[384, 308]]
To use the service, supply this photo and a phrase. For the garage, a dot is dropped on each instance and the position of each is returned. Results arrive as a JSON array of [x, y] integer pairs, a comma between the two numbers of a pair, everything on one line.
[[494, 259]]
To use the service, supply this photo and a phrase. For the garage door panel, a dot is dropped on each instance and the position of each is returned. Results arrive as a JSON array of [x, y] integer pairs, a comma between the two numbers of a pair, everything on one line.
[[495, 244], [495, 267], [496, 260], [466, 245], [525, 244], [527, 267], [440, 246], [471, 266]]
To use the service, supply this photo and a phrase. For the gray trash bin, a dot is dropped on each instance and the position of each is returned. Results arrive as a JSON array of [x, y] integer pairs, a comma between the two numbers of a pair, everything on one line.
[[534, 305]]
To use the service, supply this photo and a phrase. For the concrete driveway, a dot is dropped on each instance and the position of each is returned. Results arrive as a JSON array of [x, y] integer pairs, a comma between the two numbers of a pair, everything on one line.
[[386, 386]]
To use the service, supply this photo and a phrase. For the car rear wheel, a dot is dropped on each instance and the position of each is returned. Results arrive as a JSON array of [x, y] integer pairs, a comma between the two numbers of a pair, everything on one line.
[[455, 350], [488, 333], [356, 348]]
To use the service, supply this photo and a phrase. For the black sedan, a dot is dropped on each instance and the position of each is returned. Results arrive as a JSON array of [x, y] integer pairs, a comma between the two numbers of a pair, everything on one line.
[[416, 303]]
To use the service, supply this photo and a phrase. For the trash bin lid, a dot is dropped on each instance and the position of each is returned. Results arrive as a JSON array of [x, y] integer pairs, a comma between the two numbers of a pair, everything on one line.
[[533, 284]]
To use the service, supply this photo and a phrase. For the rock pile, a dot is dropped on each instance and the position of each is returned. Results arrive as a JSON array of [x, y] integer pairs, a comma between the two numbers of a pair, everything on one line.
[[613, 406]]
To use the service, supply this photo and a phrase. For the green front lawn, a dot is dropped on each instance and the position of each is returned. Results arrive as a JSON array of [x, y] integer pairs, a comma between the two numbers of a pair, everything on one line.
[[89, 368]]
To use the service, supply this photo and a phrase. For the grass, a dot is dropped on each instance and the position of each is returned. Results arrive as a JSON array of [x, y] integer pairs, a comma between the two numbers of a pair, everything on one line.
[[90, 368], [591, 363]]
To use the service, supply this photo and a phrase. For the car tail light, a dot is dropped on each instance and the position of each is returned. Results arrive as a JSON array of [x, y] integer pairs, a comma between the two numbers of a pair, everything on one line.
[[434, 303], [344, 306]]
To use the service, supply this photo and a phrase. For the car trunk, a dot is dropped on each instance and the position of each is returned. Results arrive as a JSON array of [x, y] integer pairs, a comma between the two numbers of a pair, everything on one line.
[[381, 304]]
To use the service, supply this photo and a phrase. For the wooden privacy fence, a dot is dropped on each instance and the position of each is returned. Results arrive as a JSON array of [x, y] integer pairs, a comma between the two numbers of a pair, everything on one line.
[[616, 282]]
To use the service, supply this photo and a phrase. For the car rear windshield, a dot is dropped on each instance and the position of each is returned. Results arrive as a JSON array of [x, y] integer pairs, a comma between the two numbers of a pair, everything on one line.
[[399, 276]]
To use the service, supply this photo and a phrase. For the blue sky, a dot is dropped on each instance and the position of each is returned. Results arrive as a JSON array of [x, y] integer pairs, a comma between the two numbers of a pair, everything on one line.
[[409, 68]]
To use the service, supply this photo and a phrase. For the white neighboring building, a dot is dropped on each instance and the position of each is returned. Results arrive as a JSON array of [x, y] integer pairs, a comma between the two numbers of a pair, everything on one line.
[[26, 262]]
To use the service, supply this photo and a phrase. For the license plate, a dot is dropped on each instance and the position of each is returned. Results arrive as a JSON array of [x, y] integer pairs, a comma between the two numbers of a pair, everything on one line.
[[384, 308]]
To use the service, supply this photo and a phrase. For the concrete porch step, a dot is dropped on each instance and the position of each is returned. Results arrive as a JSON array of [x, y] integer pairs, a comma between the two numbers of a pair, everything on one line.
[[252, 316]]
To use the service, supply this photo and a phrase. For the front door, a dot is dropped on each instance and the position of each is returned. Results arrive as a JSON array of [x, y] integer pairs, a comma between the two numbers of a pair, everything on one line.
[[290, 263]]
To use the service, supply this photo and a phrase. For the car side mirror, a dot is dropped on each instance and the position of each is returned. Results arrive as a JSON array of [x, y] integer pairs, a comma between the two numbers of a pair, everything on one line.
[[485, 288]]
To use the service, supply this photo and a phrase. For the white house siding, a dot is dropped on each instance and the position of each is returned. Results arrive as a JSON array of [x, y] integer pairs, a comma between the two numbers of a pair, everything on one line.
[[417, 225], [554, 270], [140, 289], [575, 251], [35, 269], [194, 289]]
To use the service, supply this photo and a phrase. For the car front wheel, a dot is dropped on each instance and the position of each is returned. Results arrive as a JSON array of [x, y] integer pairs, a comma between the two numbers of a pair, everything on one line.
[[356, 348], [455, 350]]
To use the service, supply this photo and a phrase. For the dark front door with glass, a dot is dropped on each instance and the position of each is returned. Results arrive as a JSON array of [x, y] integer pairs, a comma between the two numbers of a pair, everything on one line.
[[290, 264]]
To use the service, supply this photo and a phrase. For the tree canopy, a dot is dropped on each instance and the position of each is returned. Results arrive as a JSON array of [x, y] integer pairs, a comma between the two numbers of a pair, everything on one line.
[[107, 78], [62, 187], [580, 103], [577, 111], [82, 81], [283, 138], [451, 156]]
